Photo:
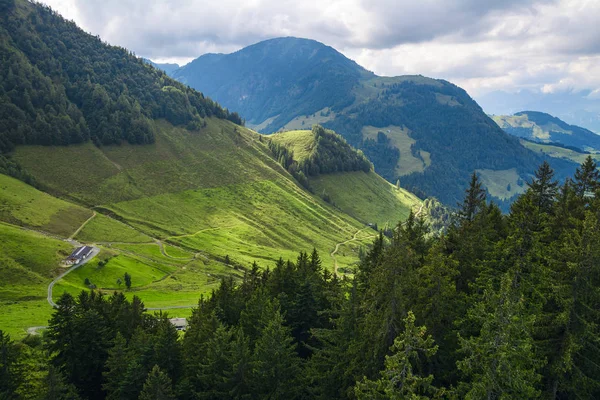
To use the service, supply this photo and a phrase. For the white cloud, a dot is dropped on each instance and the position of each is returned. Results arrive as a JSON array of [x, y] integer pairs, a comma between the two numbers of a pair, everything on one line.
[[483, 46]]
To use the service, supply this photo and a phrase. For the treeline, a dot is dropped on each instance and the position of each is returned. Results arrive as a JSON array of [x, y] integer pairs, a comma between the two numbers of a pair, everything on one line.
[[330, 153], [384, 152], [498, 307], [60, 85]]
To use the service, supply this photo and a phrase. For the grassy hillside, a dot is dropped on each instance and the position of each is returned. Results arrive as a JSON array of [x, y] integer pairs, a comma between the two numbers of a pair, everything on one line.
[[364, 195], [21, 204], [559, 152], [542, 127], [205, 195], [428, 132]]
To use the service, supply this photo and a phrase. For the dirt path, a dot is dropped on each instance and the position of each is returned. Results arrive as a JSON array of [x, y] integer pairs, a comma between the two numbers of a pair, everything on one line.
[[82, 226], [337, 246]]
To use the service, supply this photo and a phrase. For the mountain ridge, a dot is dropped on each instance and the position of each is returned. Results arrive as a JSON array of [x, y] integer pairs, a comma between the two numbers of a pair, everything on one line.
[[428, 132]]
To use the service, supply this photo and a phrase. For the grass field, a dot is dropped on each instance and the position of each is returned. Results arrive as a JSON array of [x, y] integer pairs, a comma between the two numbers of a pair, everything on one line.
[[28, 260], [307, 121], [204, 194], [559, 152], [301, 142], [399, 138], [21, 204], [499, 182], [381, 203], [105, 229]]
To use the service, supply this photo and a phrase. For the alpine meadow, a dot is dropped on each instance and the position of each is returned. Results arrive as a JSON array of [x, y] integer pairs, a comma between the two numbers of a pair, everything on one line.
[[279, 222]]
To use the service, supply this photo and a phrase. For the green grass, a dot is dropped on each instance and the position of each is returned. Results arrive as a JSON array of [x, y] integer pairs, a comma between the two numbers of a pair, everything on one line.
[[307, 121], [261, 220], [143, 272], [21, 204], [301, 142], [104, 229], [497, 182], [152, 252], [204, 194], [28, 261], [559, 152], [381, 203], [400, 139]]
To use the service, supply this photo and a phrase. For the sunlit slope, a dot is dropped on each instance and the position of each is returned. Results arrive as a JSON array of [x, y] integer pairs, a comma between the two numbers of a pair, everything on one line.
[[364, 195], [217, 191]]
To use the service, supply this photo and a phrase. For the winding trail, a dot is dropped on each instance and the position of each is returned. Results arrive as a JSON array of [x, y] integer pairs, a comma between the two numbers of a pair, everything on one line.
[[337, 246], [93, 254]]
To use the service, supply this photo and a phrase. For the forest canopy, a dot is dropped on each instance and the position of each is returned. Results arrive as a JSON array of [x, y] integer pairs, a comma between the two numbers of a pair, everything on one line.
[[499, 307], [60, 85]]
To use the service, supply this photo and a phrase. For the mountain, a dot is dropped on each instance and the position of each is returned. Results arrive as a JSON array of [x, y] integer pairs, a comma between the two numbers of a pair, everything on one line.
[[580, 108], [196, 199], [274, 81], [427, 133], [166, 67], [544, 128]]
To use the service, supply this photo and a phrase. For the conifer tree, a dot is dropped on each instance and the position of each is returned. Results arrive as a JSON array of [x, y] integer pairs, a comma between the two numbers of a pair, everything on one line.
[[10, 367], [544, 188], [158, 386], [400, 380], [587, 177], [474, 200], [276, 367], [57, 388], [499, 360]]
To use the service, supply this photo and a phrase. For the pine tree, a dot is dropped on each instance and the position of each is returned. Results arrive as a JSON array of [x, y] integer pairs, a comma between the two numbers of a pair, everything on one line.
[[474, 200], [116, 368], [500, 361], [544, 188], [10, 367], [276, 367], [158, 386], [587, 177], [57, 388], [398, 379]]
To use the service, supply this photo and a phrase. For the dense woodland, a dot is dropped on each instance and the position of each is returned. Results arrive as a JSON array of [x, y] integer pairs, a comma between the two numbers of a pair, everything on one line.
[[499, 307], [441, 119], [60, 85], [329, 154]]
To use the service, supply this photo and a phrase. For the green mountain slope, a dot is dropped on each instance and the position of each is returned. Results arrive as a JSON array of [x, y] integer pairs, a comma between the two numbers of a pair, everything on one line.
[[428, 132], [199, 199], [60, 85], [362, 194], [544, 128]]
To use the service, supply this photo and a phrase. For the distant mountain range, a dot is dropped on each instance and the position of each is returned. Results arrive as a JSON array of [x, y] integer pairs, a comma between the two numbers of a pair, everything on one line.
[[427, 133], [544, 128], [578, 108], [168, 68]]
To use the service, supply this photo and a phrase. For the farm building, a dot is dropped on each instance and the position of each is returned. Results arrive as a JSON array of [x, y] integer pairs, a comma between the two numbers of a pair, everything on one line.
[[179, 323], [79, 254]]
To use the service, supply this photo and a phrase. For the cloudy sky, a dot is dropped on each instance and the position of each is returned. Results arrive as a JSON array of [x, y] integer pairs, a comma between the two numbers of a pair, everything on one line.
[[481, 45]]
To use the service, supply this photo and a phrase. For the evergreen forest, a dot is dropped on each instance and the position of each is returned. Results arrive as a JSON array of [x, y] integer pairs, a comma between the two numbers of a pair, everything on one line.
[[498, 307]]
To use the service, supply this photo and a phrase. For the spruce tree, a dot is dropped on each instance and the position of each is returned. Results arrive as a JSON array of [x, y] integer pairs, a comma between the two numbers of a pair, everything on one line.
[[587, 178], [10, 367], [276, 368], [474, 200], [400, 379], [158, 386], [499, 360]]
